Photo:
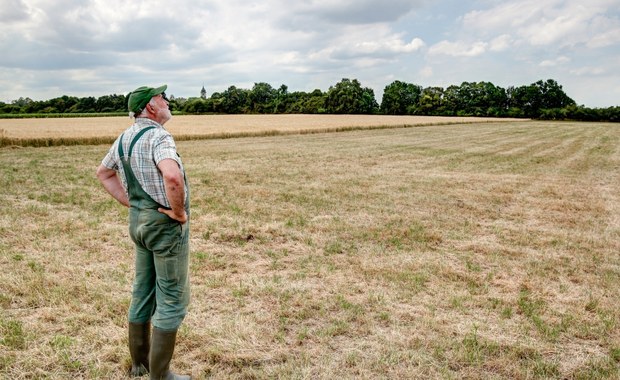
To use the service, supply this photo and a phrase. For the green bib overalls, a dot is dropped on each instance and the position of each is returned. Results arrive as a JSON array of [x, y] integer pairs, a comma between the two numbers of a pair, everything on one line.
[[161, 285]]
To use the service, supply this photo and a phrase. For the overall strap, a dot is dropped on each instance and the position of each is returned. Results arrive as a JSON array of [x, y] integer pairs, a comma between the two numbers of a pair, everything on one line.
[[138, 197], [135, 140], [120, 146]]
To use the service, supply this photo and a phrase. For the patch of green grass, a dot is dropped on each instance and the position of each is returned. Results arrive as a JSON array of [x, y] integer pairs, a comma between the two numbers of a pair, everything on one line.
[[302, 335], [5, 301], [61, 342], [36, 267], [63, 345], [353, 309], [402, 234], [545, 369], [335, 328], [299, 221], [216, 281], [209, 261], [408, 279], [506, 312], [534, 309], [334, 248], [241, 291], [12, 334], [476, 350], [598, 369]]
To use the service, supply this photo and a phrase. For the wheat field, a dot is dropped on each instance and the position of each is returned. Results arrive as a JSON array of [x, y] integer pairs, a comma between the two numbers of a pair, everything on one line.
[[214, 126], [479, 251]]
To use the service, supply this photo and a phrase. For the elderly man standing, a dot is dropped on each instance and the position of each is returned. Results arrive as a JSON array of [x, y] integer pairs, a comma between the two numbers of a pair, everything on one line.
[[143, 171]]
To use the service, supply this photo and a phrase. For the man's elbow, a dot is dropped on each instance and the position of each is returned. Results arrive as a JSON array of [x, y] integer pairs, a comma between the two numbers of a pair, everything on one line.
[[103, 173], [174, 179]]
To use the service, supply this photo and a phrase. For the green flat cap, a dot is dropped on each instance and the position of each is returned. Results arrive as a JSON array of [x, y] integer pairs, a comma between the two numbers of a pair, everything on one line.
[[139, 97]]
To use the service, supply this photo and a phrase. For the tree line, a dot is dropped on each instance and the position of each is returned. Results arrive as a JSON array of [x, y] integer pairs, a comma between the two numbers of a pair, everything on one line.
[[539, 100]]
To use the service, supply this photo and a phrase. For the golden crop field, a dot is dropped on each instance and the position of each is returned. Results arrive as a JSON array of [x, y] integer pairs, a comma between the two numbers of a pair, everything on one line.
[[469, 251], [104, 129]]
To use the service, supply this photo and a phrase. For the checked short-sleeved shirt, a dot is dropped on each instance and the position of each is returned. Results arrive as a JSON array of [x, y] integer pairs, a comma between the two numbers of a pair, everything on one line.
[[154, 146]]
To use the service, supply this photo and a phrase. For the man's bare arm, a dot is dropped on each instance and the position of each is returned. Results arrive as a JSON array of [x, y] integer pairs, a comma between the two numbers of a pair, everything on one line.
[[175, 189], [112, 184]]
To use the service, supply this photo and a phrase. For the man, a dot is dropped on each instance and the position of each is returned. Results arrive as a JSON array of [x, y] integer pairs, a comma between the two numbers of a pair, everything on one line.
[[143, 171]]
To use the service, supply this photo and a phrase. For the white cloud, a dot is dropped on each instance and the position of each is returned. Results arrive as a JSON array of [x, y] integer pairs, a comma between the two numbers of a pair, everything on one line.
[[12, 11], [500, 43], [555, 62], [458, 49], [355, 46], [605, 38], [309, 14], [391, 45], [588, 71], [426, 72], [549, 22]]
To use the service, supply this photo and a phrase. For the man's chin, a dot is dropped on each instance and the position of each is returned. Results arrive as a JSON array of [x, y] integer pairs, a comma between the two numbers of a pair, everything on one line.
[[165, 117]]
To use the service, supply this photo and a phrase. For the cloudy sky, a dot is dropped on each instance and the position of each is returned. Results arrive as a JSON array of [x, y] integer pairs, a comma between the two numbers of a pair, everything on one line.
[[100, 47]]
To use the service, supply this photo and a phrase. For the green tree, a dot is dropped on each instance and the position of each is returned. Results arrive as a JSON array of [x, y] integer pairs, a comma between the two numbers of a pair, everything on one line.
[[348, 97], [553, 96], [110, 103], [235, 100], [453, 101], [262, 96], [538, 96], [34, 107], [281, 99], [10, 108], [87, 104], [430, 101], [176, 103], [315, 102], [475, 99], [400, 98], [216, 102], [195, 106], [308, 103], [22, 102], [494, 98], [61, 104]]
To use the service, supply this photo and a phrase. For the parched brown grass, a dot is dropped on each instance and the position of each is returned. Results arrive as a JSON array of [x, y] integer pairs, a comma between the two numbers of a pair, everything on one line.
[[477, 251]]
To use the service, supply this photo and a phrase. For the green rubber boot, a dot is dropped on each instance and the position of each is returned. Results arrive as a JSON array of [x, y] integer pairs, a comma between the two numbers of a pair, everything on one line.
[[162, 348], [139, 346]]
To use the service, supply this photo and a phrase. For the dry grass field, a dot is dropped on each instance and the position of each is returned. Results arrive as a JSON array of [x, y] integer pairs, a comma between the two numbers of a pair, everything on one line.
[[478, 251]]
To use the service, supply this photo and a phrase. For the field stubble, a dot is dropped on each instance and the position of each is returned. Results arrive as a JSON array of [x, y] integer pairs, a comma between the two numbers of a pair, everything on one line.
[[467, 251]]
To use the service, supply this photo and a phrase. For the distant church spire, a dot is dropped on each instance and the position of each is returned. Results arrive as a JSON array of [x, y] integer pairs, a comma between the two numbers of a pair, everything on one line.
[[203, 92]]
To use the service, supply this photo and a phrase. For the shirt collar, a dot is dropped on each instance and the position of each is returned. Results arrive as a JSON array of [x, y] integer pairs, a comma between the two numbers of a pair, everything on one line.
[[146, 122]]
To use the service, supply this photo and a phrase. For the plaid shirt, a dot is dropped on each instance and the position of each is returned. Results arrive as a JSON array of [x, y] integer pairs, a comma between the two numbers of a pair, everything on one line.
[[153, 147]]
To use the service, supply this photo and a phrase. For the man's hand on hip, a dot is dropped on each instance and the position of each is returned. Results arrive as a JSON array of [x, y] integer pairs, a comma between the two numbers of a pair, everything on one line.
[[181, 218]]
